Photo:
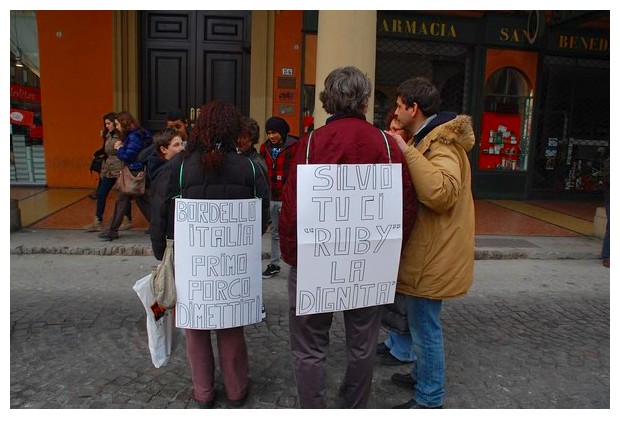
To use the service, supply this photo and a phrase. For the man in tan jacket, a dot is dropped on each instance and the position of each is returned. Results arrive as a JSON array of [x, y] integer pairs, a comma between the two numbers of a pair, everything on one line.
[[438, 259]]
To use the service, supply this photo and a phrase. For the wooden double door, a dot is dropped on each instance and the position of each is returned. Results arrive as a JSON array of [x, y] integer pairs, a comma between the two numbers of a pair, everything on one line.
[[190, 58]]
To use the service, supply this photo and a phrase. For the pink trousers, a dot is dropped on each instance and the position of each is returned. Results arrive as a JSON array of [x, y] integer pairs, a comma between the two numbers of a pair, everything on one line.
[[233, 357]]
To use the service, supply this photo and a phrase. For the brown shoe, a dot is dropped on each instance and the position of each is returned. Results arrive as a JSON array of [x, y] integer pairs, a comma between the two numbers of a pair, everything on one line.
[[606, 263]]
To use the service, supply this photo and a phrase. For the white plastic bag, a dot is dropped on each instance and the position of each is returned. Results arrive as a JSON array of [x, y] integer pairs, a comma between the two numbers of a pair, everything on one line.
[[161, 332]]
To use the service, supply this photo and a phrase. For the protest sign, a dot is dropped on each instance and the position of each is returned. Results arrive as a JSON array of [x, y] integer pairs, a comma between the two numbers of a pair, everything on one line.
[[217, 263], [349, 234]]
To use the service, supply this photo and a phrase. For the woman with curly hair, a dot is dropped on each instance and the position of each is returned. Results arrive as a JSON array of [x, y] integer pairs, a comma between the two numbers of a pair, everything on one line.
[[211, 169]]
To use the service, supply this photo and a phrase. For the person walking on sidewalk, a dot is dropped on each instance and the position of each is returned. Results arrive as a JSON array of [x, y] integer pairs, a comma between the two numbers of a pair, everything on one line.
[[346, 138], [278, 151], [438, 259], [110, 168], [211, 168], [133, 139]]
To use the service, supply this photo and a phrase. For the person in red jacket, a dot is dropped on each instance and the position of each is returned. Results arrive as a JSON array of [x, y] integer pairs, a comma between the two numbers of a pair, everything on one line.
[[347, 138], [278, 151]]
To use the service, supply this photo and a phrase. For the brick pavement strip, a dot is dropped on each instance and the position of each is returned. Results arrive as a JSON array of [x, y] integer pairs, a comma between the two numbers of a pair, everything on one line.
[[530, 334]]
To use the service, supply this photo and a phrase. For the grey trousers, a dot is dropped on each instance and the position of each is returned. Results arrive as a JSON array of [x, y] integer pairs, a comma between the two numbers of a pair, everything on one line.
[[309, 343]]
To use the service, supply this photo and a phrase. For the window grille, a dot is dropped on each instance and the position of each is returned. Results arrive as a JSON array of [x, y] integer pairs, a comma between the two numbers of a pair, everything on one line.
[[573, 124], [448, 66]]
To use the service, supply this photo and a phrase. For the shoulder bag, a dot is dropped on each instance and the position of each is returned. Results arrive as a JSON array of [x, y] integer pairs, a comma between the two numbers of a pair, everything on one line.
[[130, 184]]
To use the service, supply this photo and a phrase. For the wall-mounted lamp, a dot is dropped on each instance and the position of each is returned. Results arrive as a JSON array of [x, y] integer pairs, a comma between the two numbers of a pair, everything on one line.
[[18, 59]]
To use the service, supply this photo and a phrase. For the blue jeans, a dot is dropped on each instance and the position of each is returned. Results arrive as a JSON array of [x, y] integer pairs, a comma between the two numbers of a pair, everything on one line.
[[400, 346], [429, 371], [605, 252]]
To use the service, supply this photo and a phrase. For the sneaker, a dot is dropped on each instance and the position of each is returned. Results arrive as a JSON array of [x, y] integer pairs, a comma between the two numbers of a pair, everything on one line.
[[93, 227], [125, 224], [271, 271]]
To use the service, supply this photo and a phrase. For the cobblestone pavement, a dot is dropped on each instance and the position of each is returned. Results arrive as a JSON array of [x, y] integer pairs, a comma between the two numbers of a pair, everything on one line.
[[530, 334]]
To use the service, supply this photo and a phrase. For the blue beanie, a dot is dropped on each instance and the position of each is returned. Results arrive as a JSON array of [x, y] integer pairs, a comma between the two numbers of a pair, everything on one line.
[[278, 125]]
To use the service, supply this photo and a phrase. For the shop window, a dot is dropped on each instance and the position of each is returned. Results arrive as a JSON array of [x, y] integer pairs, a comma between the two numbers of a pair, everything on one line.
[[26, 126], [573, 127], [506, 121]]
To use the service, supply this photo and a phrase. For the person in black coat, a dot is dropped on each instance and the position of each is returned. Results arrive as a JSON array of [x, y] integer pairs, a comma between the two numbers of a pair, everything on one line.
[[210, 168]]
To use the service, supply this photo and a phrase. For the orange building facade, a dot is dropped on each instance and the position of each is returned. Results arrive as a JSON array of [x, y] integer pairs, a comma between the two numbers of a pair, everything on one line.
[[521, 84]]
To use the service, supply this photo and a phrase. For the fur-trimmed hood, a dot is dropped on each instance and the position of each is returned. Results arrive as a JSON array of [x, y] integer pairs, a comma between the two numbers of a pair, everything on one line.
[[458, 131], [449, 128]]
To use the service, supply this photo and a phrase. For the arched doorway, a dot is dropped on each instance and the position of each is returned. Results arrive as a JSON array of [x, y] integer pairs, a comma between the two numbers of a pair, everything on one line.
[[506, 121]]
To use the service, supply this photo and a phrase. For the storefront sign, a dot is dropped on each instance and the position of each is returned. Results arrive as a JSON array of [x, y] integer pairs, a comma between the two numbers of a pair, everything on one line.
[[507, 32], [590, 44], [426, 27], [22, 117], [36, 131], [25, 93]]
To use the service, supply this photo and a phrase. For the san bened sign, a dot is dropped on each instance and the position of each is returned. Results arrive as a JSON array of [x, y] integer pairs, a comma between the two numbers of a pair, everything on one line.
[[588, 43]]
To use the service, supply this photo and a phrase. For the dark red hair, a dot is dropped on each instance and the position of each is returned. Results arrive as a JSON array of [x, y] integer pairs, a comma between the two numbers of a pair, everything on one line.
[[215, 132]]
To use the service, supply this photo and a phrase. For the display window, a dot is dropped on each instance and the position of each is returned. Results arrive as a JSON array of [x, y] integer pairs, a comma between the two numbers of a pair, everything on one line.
[[506, 121], [27, 156], [573, 126]]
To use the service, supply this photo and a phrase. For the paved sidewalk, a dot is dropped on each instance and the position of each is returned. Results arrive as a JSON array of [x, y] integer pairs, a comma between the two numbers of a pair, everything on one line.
[[533, 332], [137, 243]]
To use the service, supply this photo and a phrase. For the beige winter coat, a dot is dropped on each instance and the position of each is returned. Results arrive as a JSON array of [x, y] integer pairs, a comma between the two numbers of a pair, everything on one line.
[[112, 165], [438, 259]]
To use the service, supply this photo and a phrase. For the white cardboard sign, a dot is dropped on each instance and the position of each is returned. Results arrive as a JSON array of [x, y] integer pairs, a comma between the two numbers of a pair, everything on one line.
[[349, 234], [217, 263]]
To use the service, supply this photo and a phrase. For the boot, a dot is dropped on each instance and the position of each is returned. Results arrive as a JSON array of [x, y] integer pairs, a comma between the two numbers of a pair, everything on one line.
[[93, 227]]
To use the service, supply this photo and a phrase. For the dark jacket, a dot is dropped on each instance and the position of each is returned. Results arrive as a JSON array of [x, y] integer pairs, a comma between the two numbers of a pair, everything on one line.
[[158, 186], [394, 316], [279, 168], [236, 180], [346, 139]]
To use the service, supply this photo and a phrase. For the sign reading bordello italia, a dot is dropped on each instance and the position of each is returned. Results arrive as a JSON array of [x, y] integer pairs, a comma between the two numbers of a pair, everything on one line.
[[427, 27]]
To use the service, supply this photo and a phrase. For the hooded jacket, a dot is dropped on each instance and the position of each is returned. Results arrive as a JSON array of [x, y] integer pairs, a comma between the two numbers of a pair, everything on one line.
[[278, 168], [438, 259]]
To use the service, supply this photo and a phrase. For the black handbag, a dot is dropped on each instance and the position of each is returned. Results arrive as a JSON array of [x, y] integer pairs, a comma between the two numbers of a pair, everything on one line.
[[96, 164]]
